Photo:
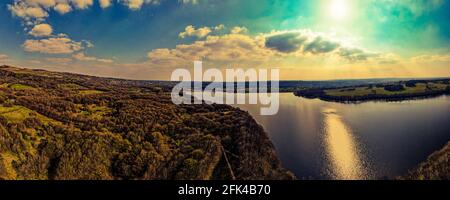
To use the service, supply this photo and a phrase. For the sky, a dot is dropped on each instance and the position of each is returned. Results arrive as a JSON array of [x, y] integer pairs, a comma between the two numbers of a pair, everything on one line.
[[306, 40]]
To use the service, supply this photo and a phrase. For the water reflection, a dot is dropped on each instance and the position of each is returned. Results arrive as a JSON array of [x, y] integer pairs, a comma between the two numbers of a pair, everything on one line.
[[380, 139], [341, 148]]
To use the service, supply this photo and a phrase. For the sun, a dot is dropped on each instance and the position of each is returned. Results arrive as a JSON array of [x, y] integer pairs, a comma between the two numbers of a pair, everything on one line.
[[338, 9]]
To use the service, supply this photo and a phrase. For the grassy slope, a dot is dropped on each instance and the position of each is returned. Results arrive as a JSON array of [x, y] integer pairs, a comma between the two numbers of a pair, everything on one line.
[[366, 90], [17, 114]]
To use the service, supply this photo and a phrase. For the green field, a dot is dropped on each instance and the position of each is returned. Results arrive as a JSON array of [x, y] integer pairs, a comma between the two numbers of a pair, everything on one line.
[[89, 92], [368, 90], [16, 86], [93, 111], [71, 86], [20, 87], [17, 114]]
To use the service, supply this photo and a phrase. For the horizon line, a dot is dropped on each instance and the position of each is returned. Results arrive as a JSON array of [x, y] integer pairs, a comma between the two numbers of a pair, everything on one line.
[[285, 80]]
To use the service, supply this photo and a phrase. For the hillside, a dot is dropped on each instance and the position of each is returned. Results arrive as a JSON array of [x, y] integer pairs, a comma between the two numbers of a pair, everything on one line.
[[436, 167], [67, 126]]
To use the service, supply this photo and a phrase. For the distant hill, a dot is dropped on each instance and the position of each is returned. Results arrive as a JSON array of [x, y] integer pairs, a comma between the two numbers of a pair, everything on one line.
[[68, 126], [387, 91]]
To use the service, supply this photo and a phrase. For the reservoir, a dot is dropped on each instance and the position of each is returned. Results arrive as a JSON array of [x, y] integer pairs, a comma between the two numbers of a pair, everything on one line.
[[316, 139]]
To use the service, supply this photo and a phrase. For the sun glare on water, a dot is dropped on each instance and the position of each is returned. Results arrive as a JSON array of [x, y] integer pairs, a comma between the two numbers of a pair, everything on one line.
[[342, 149]]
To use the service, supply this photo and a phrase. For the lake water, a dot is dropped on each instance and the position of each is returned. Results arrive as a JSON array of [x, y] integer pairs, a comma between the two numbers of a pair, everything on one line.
[[372, 140]]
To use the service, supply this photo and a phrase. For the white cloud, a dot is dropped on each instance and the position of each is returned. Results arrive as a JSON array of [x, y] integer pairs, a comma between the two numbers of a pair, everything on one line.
[[88, 43], [105, 3], [27, 12], [4, 59], [431, 58], [41, 30], [59, 60], [225, 48], [134, 4], [44, 3], [191, 31], [82, 57], [82, 4], [35, 11], [58, 45], [219, 27], [102, 60], [62, 8], [189, 1], [239, 30], [137, 4]]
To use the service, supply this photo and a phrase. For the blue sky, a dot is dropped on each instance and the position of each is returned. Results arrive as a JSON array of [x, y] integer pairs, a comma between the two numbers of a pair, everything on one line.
[[142, 39]]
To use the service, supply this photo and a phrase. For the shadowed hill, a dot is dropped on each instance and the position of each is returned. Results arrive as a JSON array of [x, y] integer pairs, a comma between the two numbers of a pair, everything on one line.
[[436, 167]]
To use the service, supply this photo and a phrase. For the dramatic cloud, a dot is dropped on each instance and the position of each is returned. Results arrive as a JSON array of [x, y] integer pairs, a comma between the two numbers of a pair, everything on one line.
[[263, 48], [41, 30], [191, 31], [303, 42], [319, 45], [232, 47], [58, 45], [355, 54], [285, 42]]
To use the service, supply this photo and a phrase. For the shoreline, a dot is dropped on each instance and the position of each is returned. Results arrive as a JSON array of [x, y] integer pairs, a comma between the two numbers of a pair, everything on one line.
[[380, 99]]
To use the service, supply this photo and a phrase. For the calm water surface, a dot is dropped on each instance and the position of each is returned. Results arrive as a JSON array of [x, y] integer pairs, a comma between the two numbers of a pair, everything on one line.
[[372, 140]]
